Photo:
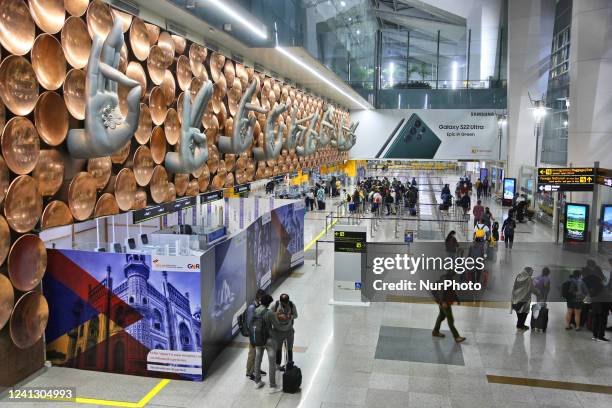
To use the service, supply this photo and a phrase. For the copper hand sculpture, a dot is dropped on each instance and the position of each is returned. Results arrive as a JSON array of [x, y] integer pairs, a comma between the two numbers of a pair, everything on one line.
[[295, 131], [106, 129], [193, 150], [327, 128], [272, 144], [310, 137], [242, 136]]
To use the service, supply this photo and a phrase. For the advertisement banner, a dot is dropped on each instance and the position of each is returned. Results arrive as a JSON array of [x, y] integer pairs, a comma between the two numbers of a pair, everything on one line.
[[606, 223], [576, 222], [440, 134], [114, 312]]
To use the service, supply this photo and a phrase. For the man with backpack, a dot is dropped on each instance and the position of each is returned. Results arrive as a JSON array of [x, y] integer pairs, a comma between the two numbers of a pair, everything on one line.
[[263, 336], [481, 231], [508, 231], [286, 312], [573, 291], [244, 322]]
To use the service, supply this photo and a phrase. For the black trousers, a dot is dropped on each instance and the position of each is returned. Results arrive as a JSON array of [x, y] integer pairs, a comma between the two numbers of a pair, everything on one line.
[[600, 318], [509, 240]]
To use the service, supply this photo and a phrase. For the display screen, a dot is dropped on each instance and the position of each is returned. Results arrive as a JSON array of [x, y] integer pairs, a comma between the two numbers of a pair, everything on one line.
[[509, 188], [606, 223], [484, 173], [576, 222]]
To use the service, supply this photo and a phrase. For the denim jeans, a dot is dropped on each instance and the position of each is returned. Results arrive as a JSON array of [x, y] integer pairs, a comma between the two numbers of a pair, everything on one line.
[[446, 313], [270, 349]]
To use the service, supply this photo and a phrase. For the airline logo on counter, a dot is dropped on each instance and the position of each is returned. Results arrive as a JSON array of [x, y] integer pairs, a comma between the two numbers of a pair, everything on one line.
[[176, 263]]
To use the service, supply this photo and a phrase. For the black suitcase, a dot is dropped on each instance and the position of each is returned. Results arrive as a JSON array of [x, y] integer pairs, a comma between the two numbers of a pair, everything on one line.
[[413, 212], [292, 379], [541, 323]]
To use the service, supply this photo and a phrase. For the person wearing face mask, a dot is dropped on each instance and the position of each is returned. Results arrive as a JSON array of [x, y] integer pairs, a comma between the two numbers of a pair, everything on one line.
[[521, 296]]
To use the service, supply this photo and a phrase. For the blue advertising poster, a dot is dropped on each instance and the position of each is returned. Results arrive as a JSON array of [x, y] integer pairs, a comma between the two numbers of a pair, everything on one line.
[[509, 188], [606, 223], [116, 313], [576, 222], [484, 173]]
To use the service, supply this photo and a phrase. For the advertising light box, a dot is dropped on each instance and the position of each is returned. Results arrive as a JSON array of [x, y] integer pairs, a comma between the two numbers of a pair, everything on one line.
[[576, 222], [509, 191], [606, 223]]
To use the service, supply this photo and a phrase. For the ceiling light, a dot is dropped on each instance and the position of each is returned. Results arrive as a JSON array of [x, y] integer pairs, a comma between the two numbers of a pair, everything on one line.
[[343, 3], [236, 16], [358, 32], [317, 74]]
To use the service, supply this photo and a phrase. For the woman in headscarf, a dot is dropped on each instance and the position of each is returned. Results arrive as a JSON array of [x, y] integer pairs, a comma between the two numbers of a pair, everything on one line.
[[521, 296]]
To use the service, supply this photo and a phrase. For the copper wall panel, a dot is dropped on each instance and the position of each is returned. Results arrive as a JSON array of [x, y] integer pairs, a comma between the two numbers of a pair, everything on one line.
[[166, 43], [49, 172], [183, 72], [27, 262], [121, 155], [7, 300], [16, 27], [180, 43], [55, 214], [158, 145], [76, 7], [5, 242], [139, 39], [48, 61], [125, 189], [20, 145], [99, 19], [100, 168], [140, 200], [197, 55], [156, 64], [153, 31], [74, 93], [51, 118], [159, 185], [76, 42], [106, 205], [145, 123], [18, 85], [158, 106], [29, 320], [126, 19], [143, 166], [168, 87], [180, 183], [82, 196], [48, 14]]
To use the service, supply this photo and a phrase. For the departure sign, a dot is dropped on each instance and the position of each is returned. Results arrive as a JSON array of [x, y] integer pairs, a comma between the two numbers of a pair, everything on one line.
[[566, 179], [604, 177], [349, 241]]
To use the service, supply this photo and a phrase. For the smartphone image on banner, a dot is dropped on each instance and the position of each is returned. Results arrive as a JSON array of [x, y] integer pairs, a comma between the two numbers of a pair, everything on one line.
[[413, 140]]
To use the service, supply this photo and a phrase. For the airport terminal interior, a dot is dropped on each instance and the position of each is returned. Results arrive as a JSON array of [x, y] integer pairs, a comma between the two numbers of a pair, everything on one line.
[[306, 203]]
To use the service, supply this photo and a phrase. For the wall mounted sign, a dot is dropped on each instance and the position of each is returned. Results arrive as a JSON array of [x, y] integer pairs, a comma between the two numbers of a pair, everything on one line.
[[350, 241], [149, 213], [566, 179], [181, 204], [242, 188], [211, 196]]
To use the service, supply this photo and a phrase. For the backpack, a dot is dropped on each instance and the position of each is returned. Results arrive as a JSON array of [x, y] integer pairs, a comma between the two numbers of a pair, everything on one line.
[[259, 333], [242, 317], [509, 228], [277, 307], [480, 232]]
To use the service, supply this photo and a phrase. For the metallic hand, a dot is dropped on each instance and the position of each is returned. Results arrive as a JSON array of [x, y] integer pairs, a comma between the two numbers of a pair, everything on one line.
[[310, 137], [193, 151], [242, 137], [295, 131], [350, 139], [327, 128], [272, 144], [106, 129]]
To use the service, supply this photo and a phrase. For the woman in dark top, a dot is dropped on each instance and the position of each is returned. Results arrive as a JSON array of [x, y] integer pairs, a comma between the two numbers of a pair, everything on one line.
[[451, 244]]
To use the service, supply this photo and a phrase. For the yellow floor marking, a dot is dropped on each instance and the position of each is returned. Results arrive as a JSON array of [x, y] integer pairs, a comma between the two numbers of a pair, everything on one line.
[[559, 385], [311, 243]]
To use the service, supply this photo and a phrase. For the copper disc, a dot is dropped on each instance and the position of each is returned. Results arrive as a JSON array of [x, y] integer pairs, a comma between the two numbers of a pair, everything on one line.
[[18, 85], [100, 168], [229, 180], [168, 86], [229, 72], [7, 300], [181, 181], [74, 93], [159, 185], [121, 155], [250, 170], [197, 55], [139, 39], [194, 87], [27, 262], [180, 43], [242, 75], [218, 182], [166, 44], [158, 145], [125, 18], [170, 193], [230, 162], [211, 126], [157, 105], [140, 200], [213, 158], [51, 118], [29, 320], [143, 166], [48, 61], [16, 27], [135, 71], [217, 62], [99, 19], [23, 204], [82, 196], [76, 42], [183, 72], [48, 14], [106, 205], [153, 31], [172, 127], [241, 177], [125, 189], [5, 244], [156, 64], [55, 214], [143, 133], [204, 179], [20, 145], [233, 97], [193, 188], [49, 172], [76, 7]]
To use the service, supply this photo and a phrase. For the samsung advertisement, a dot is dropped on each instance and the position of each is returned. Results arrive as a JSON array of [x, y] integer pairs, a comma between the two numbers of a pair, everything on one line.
[[576, 222], [509, 190]]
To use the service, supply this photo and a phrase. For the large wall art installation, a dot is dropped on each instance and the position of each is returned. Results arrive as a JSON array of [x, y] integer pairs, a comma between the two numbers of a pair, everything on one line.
[[102, 112]]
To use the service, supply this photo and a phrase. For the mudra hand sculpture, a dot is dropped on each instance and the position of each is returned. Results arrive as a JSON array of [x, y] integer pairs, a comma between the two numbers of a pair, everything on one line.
[[350, 137], [106, 129], [295, 131], [327, 128], [272, 144], [193, 150], [310, 137], [242, 136]]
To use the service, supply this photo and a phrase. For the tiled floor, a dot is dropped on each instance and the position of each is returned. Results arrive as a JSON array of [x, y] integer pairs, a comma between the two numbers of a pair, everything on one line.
[[340, 349]]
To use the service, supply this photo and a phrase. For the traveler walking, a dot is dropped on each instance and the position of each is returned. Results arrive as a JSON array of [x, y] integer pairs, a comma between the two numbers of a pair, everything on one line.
[[286, 312], [521, 297], [451, 244], [478, 211], [310, 199], [250, 313], [508, 232], [542, 284], [264, 337], [573, 291], [594, 278], [321, 198], [445, 299]]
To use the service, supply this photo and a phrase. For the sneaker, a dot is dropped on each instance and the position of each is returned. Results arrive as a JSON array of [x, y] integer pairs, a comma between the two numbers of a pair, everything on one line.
[[459, 339], [259, 385], [437, 334], [603, 339], [281, 368], [594, 338], [274, 389], [262, 372], [251, 377]]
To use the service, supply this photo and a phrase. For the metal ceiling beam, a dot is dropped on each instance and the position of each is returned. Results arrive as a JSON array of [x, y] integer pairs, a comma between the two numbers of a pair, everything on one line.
[[450, 30], [443, 14]]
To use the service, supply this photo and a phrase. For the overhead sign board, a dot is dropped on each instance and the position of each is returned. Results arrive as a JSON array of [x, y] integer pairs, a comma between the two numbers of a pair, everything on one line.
[[604, 177], [181, 203], [350, 241], [242, 188], [211, 196], [149, 213], [566, 179]]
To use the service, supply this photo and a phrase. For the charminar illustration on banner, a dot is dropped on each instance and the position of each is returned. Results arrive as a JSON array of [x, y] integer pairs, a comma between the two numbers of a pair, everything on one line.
[[441, 134]]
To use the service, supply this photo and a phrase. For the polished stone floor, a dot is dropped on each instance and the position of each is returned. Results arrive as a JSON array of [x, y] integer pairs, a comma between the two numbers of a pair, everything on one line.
[[384, 355]]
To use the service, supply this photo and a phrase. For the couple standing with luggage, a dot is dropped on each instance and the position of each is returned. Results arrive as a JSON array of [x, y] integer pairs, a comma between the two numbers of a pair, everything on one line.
[[524, 287], [268, 329]]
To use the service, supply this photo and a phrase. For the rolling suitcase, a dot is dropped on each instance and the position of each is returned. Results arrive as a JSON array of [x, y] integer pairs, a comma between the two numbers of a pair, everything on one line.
[[540, 322], [292, 378]]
